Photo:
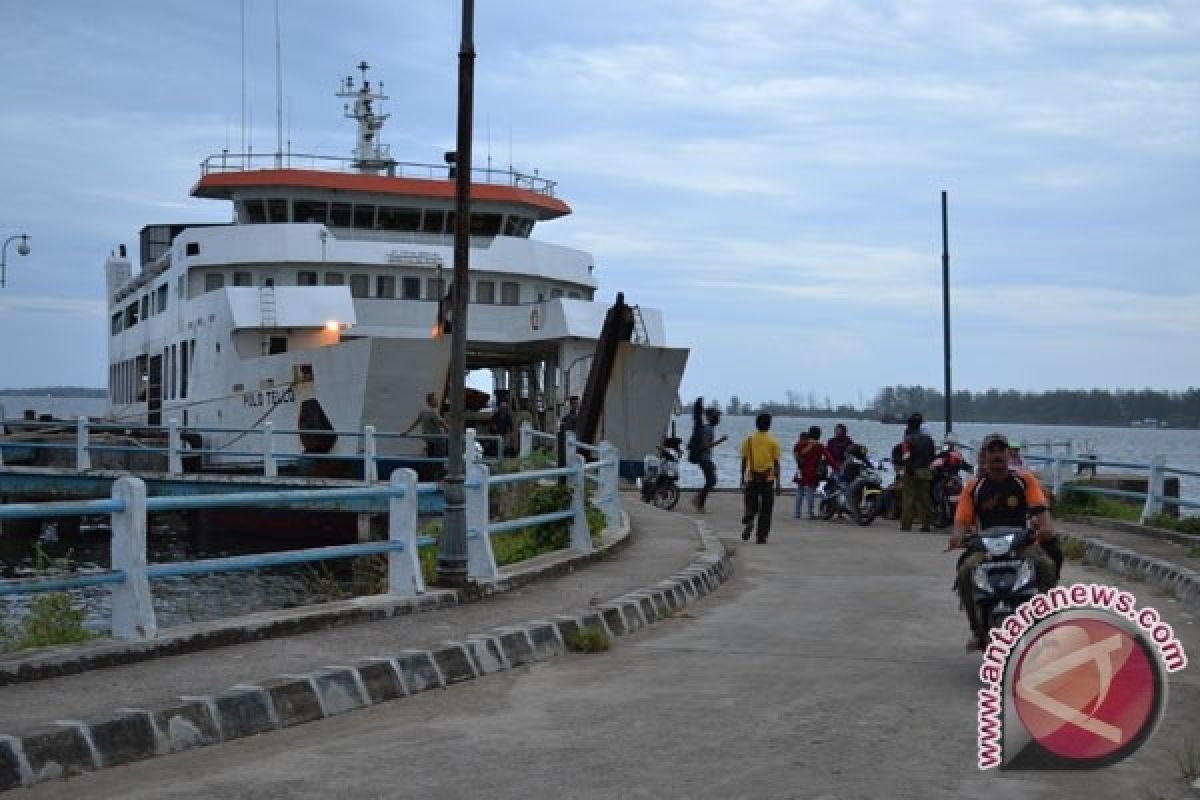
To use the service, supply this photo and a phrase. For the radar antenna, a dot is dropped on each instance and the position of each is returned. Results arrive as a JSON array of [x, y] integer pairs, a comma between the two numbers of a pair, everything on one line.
[[370, 155]]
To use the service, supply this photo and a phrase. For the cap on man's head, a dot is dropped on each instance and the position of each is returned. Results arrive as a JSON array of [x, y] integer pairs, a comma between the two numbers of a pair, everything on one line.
[[1014, 445], [991, 439]]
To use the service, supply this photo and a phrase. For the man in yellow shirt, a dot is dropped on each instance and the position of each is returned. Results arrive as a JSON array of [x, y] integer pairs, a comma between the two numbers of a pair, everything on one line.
[[760, 479]]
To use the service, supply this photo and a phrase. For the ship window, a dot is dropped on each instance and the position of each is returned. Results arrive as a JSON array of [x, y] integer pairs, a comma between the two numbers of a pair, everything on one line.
[[385, 286], [555, 293], [277, 209], [116, 323], [412, 289], [435, 221], [243, 279], [433, 289], [172, 368], [510, 225], [399, 219], [131, 315], [256, 211], [360, 286], [213, 281], [311, 211], [510, 293], [364, 217], [192, 249], [146, 314], [334, 279], [142, 377], [339, 215], [485, 224], [485, 292], [162, 298], [305, 278], [573, 295], [278, 344]]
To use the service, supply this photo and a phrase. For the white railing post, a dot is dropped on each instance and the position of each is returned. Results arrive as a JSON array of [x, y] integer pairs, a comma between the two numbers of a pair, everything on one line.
[[404, 566], [83, 461], [132, 607], [1056, 478], [270, 468], [3, 432], [370, 468], [610, 478], [570, 447], [581, 537], [526, 444], [1155, 487], [174, 459], [481, 561], [471, 450]]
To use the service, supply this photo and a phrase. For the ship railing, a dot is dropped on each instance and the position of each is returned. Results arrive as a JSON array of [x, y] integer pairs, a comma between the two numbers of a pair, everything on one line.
[[242, 162], [176, 444], [1154, 501], [130, 573]]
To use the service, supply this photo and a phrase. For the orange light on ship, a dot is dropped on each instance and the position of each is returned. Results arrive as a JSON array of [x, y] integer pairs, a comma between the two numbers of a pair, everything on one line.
[[333, 326]]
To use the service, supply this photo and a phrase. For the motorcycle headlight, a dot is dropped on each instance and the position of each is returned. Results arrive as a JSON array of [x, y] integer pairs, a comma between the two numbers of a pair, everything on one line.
[[980, 578], [999, 545], [1026, 575]]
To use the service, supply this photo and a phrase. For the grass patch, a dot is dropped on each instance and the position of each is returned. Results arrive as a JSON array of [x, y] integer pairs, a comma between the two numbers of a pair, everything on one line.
[[1091, 505], [1187, 758], [591, 639], [1194, 552], [53, 617], [1073, 549]]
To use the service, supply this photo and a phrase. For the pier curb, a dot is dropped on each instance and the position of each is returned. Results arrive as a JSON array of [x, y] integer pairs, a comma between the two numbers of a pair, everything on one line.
[[72, 747], [1162, 576]]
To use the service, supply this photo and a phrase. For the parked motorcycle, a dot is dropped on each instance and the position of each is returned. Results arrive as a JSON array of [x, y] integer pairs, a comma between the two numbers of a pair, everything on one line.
[[660, 476], [947, 486], [857, 492], [1004, 580]]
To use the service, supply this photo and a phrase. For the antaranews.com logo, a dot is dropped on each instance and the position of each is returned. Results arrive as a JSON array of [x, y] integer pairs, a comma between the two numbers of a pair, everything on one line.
[[1075, 678]]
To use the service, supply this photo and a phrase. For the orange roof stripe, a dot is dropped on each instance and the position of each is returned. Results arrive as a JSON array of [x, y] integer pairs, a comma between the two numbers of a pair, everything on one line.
[[224, 184]]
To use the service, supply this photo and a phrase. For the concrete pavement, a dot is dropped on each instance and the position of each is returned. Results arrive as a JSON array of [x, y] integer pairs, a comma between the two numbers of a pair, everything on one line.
[[829, 666]]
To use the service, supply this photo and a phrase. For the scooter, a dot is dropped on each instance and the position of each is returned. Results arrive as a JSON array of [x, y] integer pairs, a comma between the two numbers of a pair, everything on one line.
[[660, 476], [857, 493], [1004, 580], [946, 486]]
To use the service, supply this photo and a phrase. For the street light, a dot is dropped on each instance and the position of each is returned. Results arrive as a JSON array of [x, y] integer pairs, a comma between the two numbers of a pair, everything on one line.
[[22, 250]]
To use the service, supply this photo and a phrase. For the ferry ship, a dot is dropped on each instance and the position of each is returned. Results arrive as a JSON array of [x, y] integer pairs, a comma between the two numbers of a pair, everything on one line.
[[316, 307]]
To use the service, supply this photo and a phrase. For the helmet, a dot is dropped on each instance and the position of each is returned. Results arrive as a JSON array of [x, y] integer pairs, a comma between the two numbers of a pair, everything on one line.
[[857, 450], [1015, 444]]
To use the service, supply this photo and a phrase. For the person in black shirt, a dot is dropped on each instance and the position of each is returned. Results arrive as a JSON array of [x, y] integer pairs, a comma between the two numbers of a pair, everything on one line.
[[918, 453]]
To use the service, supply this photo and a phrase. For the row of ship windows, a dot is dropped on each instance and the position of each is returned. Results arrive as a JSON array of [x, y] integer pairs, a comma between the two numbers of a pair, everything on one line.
[[378, 218], [386, 287], [129, 381]]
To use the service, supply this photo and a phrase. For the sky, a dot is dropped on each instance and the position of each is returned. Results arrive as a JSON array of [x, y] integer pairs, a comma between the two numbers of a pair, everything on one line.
[[768, 174]]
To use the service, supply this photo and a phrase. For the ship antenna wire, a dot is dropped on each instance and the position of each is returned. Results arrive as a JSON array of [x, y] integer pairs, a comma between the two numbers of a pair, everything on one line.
[[278, 93], [243, 43]]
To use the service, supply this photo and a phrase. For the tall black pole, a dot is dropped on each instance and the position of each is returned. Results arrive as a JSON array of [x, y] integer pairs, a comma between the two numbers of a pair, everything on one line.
[[946, 311], [452, 546]]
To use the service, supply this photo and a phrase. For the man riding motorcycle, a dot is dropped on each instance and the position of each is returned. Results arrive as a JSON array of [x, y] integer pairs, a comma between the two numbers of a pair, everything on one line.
[[1000, 497]]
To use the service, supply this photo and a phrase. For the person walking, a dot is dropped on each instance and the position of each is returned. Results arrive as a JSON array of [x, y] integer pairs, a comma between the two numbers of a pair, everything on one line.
[[759, 479], [708, 440], [571, 418], [918, 453]]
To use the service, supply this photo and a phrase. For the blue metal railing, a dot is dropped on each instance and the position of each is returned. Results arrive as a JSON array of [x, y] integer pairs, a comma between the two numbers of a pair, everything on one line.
[[133, 615], [1154, 499]]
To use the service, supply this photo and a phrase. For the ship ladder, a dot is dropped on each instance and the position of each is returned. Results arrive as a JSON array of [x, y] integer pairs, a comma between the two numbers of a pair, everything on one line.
[[266, 301], [640, 334]]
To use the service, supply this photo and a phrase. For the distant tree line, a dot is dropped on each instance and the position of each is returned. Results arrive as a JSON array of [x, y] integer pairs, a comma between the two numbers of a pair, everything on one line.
[[1055, 407], [55, 391], [1119, 407]]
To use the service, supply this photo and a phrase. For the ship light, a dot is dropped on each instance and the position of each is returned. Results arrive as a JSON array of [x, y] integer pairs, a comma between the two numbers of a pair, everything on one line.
[[333, 326]]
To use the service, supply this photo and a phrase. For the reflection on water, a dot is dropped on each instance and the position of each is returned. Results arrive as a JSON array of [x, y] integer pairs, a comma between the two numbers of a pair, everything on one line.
[[177, 601]]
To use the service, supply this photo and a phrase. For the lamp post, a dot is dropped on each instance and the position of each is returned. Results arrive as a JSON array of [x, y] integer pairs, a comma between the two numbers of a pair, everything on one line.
[[946, 310], [22, 250], [452, 545]]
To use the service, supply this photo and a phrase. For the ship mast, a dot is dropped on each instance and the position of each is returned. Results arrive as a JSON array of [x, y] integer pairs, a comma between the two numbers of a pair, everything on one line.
[[370, 155]]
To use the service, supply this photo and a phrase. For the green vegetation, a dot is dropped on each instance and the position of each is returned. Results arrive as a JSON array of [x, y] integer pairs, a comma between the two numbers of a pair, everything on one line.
[[1091, 505], [53, 617], [591, 639], [1073, 549], [1187, 758], [1194, 552]]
